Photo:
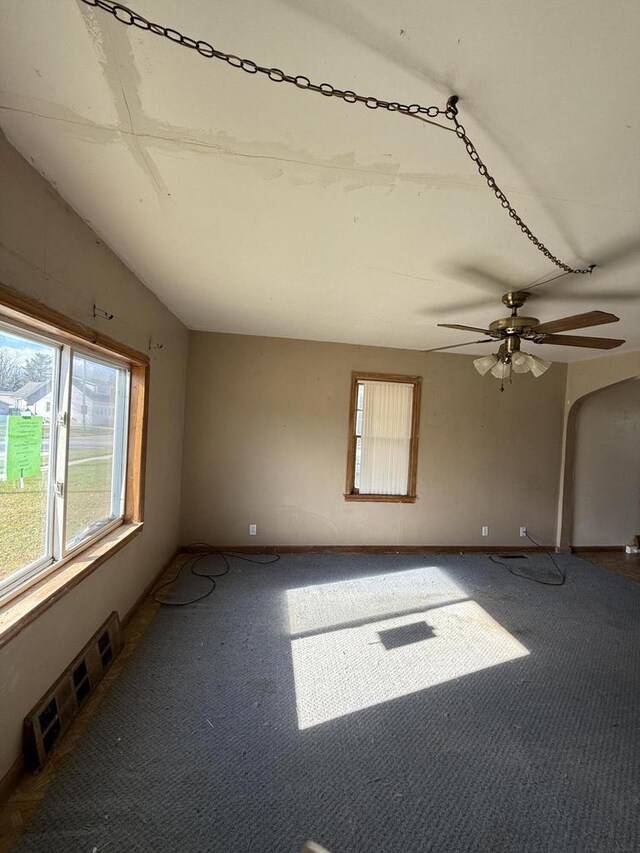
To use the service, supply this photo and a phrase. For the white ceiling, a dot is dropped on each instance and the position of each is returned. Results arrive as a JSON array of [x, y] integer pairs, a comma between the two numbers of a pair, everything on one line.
[[257, 208]]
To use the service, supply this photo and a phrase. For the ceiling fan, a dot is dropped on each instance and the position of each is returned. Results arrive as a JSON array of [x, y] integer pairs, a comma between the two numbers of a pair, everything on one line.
[[512, 330]]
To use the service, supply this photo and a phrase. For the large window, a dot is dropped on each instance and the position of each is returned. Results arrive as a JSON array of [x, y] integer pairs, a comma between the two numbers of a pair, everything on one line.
[[71, 439], [383, 437]]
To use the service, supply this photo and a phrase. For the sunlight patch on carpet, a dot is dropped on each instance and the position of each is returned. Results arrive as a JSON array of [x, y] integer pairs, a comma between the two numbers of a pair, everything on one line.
[[327, 605], [350, 664]]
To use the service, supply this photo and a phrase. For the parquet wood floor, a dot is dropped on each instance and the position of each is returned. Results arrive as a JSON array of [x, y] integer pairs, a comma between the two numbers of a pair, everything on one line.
[[627, 565]]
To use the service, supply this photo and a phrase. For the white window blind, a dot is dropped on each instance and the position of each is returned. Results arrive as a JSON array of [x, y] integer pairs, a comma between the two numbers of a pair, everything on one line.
[[385, 438]]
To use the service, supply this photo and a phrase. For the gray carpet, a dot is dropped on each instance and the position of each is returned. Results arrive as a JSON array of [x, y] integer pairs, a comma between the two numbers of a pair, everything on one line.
[[442, 705]]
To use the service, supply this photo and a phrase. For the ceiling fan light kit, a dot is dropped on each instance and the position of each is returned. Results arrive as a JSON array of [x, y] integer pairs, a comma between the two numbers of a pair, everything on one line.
[[504, 362], [502, 371], [524, 362], [520, 362], [485, 363]]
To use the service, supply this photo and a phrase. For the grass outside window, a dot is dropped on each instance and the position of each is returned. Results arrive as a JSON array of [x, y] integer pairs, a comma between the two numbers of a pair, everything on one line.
[[72, 436]]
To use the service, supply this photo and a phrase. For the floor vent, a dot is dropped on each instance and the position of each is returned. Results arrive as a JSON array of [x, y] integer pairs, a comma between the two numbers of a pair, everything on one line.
[[53, 714], [513, 557]]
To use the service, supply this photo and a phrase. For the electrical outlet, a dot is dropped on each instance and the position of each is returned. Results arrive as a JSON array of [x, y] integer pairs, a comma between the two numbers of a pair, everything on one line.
[[523, 532], [253, 529], [485, 530]]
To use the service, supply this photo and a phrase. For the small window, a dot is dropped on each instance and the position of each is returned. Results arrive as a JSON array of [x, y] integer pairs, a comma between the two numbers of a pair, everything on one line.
[[383, 437]]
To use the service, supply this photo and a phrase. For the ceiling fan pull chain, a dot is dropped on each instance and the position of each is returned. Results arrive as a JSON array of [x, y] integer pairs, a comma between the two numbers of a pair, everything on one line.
[[129, 17], [452, 114]]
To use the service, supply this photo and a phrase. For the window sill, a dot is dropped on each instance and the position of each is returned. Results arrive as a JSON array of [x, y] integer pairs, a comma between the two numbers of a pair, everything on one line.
[[396, 499], [28, 605]]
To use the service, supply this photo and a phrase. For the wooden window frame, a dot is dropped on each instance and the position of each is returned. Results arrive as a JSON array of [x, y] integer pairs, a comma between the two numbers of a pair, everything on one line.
[[411, 496], [36, 317]]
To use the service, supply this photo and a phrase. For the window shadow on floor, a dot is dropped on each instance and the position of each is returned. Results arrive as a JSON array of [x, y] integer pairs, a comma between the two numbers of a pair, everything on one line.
[[394, 638]]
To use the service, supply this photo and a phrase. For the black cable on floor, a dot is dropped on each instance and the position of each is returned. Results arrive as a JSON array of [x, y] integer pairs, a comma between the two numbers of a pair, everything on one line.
[[195, 561], [562, 574]]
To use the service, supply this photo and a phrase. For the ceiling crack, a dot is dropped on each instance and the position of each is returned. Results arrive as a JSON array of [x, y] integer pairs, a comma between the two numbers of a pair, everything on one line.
[[416, 177]]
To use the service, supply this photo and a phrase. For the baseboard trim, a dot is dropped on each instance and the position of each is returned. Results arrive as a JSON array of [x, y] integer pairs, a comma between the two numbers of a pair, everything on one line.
[[581, 549], [131, 612], [11, 778], [202, 548]]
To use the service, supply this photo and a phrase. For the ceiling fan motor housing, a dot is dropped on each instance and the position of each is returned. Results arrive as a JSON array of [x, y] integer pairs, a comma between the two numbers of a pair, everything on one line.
[[513, 325]]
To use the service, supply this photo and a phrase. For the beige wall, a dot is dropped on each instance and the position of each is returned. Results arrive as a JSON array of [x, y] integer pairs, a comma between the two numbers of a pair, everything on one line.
[[48, 253], [266, 442], [607, 467], [585, 378]]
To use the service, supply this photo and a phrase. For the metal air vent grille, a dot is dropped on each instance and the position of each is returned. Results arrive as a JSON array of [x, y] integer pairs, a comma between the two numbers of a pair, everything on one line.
[[53, 714]]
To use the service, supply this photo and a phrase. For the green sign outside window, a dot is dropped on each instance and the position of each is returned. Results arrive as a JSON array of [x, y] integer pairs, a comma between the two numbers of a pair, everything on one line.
[[24, 446]]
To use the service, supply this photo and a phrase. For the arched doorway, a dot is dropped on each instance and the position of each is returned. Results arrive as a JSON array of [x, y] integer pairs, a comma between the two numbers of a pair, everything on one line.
[[606, 467]]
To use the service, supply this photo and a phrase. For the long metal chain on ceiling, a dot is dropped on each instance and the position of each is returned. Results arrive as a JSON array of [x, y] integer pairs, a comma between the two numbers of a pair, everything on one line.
[[129, 17]]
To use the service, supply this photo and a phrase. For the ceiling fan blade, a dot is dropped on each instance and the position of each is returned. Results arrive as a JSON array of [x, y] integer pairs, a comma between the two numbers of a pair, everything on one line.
[[491, 334], [582, 341], [577, 321], [455, 346]]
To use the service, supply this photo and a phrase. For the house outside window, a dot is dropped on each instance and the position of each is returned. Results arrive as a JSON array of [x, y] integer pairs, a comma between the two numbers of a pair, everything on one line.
[[383, 437], [70, 466]]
